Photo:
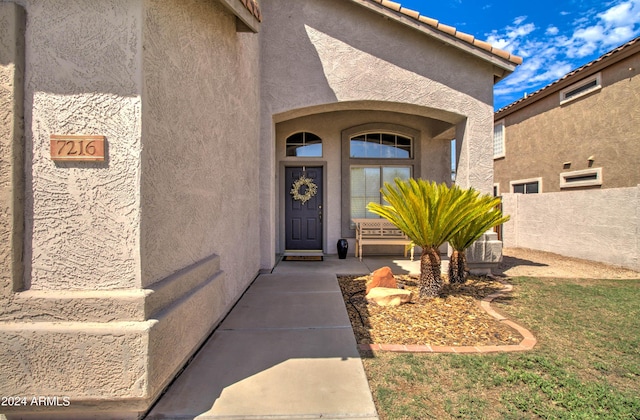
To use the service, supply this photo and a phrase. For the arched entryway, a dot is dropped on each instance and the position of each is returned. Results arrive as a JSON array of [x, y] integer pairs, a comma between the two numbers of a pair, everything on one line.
[[388, 140]]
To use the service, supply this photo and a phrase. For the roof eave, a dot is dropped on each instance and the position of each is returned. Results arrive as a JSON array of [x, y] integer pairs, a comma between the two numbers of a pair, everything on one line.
[[500, 73]]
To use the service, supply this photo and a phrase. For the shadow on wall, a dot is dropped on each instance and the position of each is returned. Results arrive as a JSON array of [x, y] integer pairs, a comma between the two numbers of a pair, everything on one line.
[[368, 41]]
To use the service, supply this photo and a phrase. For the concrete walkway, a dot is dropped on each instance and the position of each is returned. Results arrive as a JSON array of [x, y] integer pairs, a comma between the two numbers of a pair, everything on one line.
[[285, 351]]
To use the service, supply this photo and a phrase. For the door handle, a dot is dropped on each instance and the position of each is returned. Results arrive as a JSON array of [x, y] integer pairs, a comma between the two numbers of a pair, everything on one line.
[[320, 213]]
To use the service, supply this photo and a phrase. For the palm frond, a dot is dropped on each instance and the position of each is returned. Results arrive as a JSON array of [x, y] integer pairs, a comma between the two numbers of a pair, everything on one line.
[[428, 213], [485, 215]]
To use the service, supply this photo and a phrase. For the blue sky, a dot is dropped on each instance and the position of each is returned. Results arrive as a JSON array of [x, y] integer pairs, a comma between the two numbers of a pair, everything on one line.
[[553, 37]]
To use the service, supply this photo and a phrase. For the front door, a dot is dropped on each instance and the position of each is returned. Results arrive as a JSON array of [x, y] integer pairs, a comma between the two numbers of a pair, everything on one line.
[[303, 208]]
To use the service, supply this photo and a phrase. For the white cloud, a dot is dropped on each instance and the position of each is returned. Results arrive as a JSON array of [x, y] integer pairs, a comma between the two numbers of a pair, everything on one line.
[[513, 36], [551, 54], [590, 34], [620, 35], [607, 29], [517, 21], [621, 14], [552, 30], [585, 41]]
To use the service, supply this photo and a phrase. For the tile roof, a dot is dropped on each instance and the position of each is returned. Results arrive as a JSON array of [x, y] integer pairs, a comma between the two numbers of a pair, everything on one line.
[[253, 8], [602, 60], [450, 30]]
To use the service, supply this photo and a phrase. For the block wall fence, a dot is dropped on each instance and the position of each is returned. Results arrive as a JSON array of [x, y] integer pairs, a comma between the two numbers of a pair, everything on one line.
[[598, 225]]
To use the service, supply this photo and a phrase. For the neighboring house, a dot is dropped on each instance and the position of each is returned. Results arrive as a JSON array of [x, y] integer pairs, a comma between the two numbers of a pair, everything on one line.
[[581, 131], [113, 271], [575, 144]]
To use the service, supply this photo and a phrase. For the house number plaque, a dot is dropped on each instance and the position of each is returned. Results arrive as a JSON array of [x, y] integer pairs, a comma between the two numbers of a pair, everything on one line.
[[77, 148]]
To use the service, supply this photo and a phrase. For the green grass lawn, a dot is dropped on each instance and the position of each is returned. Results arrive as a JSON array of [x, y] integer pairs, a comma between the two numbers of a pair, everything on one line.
[[586, 364]]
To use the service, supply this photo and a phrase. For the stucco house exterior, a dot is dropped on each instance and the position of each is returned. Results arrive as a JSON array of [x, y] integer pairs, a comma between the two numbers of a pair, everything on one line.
[[147, 153], [579, 132], [566, 162]]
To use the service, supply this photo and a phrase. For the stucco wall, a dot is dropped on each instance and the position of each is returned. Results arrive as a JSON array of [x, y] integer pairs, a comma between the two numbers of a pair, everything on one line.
[[541, 137], [123, 277], [81, 220], [12, 27], [83, 78], [599, 225], [330, 51], [200, 149]]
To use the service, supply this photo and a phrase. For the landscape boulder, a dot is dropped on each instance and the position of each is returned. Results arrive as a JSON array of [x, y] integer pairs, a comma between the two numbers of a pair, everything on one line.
[[385, 296], [382, 277]]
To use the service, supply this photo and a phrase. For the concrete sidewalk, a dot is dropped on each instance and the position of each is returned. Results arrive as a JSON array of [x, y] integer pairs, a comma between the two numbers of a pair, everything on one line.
[[285, 351]]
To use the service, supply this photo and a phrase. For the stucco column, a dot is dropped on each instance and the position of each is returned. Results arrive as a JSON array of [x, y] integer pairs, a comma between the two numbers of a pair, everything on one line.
[[474, 138], [268, 189], [462, 155], [71, 323], [12, 26], [474, 149]]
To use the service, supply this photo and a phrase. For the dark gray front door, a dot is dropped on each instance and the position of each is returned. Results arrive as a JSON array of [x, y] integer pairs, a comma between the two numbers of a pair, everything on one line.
[[303, 210]]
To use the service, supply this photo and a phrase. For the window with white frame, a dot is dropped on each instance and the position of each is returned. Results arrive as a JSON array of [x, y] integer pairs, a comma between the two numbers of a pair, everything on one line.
[[372, 154], [581, 88], [498, 140], [366, 182], [526, 186], [583, 178]]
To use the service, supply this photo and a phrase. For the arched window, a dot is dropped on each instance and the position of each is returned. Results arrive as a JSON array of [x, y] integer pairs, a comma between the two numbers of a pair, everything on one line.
[[380, 146], [304, 144]]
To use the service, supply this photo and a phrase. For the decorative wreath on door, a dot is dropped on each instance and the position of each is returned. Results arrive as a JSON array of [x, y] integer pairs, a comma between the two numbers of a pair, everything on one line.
[[312, 189]]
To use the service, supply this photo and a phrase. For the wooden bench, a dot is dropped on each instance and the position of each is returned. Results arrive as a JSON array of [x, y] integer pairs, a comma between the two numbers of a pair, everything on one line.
[[380, 232]]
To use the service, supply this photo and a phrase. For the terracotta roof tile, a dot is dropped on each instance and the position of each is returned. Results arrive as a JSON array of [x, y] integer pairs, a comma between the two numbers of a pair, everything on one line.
[[252, 7], [429, 21], [450, 30], [390, 4], [482, 44], [465, 37], [409, 12], [447, 29], [502, 53]]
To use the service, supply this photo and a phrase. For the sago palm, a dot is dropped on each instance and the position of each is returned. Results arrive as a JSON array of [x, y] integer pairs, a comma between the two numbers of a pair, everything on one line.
[[485, 215], [429, 214]]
